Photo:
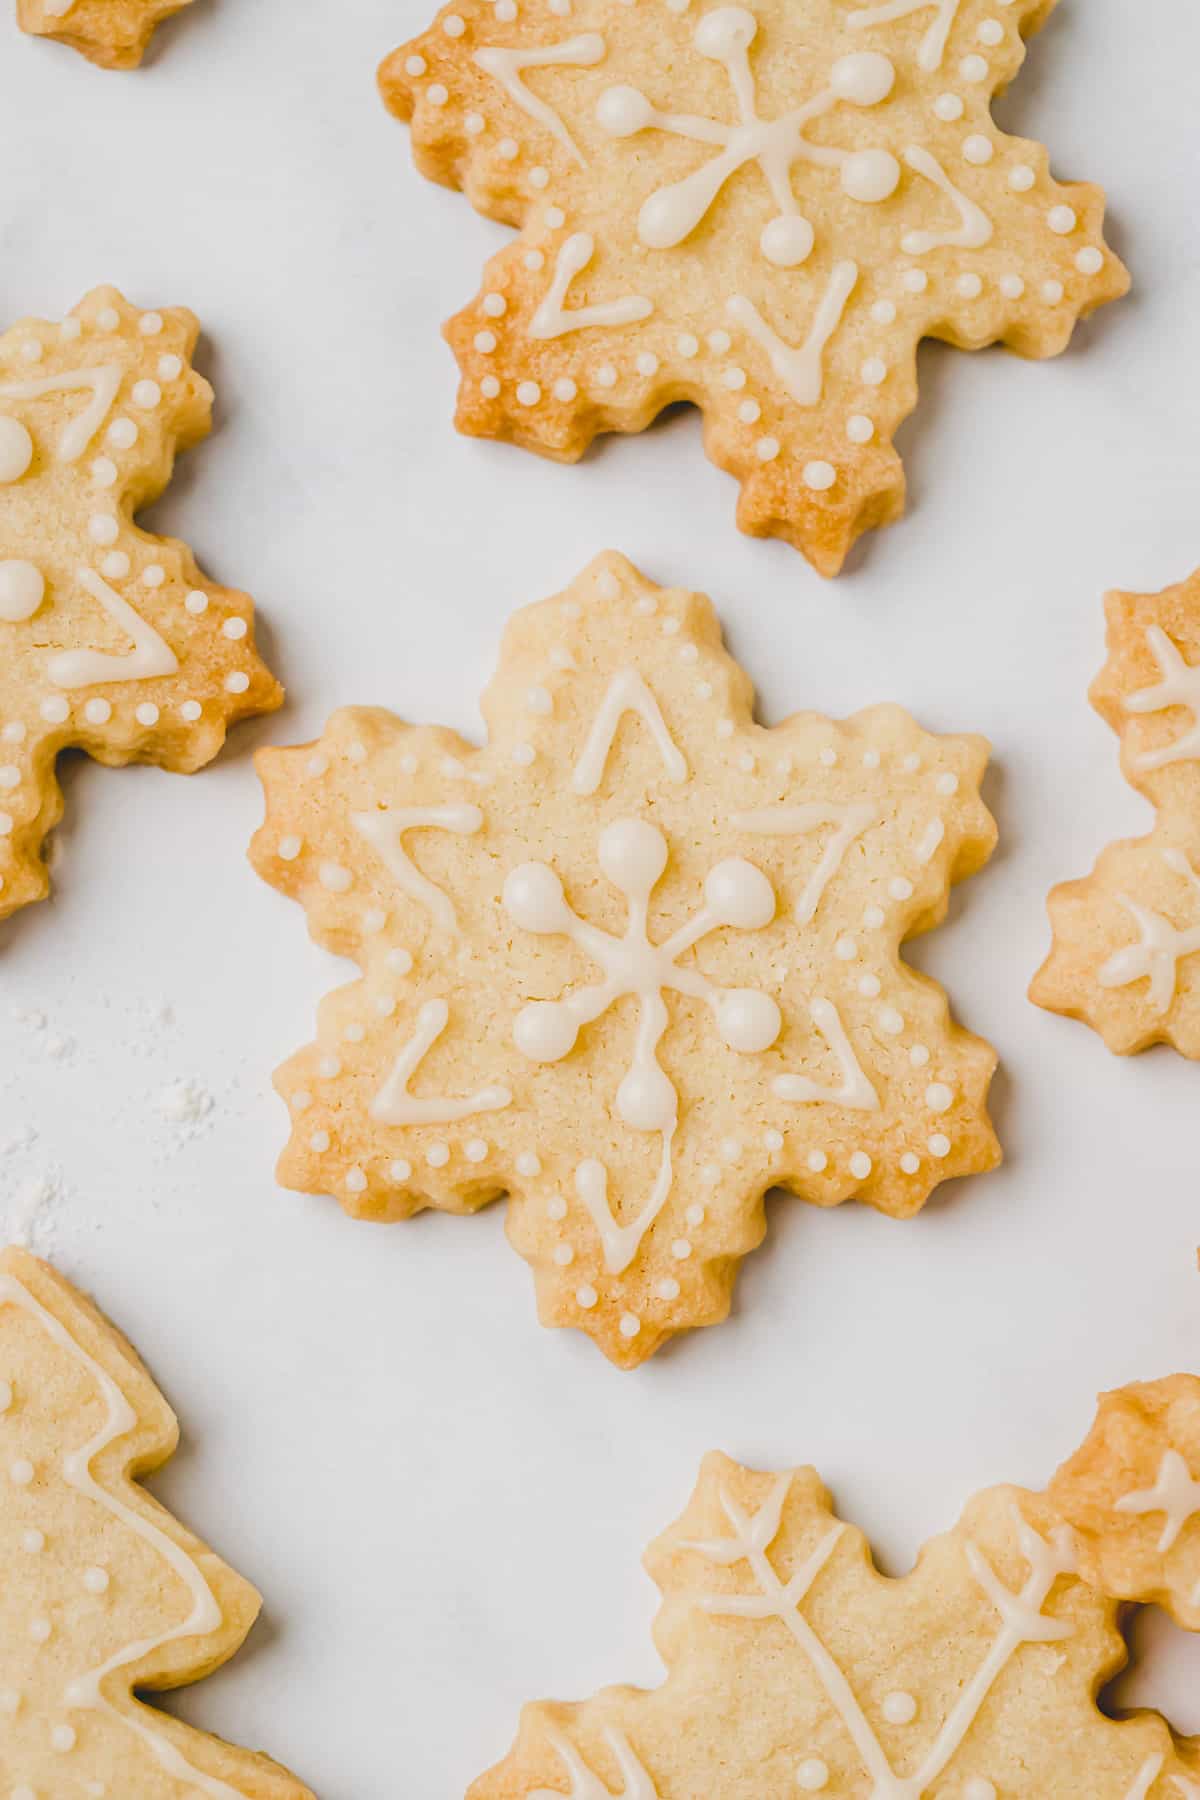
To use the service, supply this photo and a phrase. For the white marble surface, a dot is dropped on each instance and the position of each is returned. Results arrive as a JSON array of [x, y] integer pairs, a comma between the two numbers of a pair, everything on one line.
[[444, 1505]]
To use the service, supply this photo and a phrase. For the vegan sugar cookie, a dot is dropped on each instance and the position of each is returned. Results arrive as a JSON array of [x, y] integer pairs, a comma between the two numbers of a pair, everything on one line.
[[761, 209], [104, 1595], [113, 33], [796, 1668], [111, 640], [1126, 952], [633, 963], [1133, 1495]]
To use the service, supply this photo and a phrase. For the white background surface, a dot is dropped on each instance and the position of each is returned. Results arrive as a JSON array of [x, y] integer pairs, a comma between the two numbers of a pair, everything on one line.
[[443, 1504]]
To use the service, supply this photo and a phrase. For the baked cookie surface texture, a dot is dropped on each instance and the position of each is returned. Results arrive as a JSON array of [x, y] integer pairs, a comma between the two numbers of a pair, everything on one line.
[[104, 1594], [113, 33], [111, 640], [796, 1668], [761, 209], [634, 962], [1126, 952]]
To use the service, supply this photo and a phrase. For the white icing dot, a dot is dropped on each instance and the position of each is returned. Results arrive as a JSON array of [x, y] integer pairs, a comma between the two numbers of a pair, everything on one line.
[[938, 1097], [564, 1256], [1062, 220], [948, 107], [437, 1155], [647, 363], [237, 683], [539, 177], [918, 1056], [489, 387], [415, 65], [453, 26], [869, 987], [534, 260], [772, 1141], [495, 305], [900, 888], [10, 775], [687, 345], [16, 450], [731, 1149], [108, 318], [476, 1150], [115, 565], [356, 1181], [973, 68], [899, 1708], [819, 476], [565, 389], [509, 149], [146, 394], [39, 1630], [97, 712], [969, 286], [123, 434], [1012, 287], [436, 94], [915, 281], [978, 150], [9, 1701], [910, 1163], [586, 1296], [818, 1162], [681, 1249], [890, 1021], [354, 1034], [556, 1209], [555, 217], [232, 628], [860, 1165], [319, 1141], [103, 528], [734, 379], [767, 449], [473, 124], [33, 1541], [190, 710], [874, 371], [528, 1164], [667, 1288], [718, 342], [980, 1789], [528, 393], [301, 1100], [812, 1775], [20, 1472], [55, 711], [884, 312], [523, 754], [939, 1145], [400, 1170], [62, 1738], [749, 412], [1021, 178], [1089, 262], [1052, 292], [845, 949], [606, 376], [485, 342], [630, 1325], [170, 368], [335, 877], [991, 32]]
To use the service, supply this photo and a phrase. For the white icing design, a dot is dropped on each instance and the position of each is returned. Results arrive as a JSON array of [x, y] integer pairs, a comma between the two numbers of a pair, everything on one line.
[[507, 66], [1159, 948], [103, 381], [802, 371], [1174, 1494], [788, 821], [672, 213], [1180, 686], [151, 655], [87, 1690], [853, 1090], [384, 831], [933, 44], [626, 692], [1022, 1621], [395, 1105], [1146, 1776], [58, 9], [585, 1785], [621, 1243], [974, 227], [552, 319], [22, 590]]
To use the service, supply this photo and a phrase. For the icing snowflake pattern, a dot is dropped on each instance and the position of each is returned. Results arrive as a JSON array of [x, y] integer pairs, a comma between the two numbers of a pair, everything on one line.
[[112, 641], [761, 209], [809, 1673], [1126, 953], [632, 963]]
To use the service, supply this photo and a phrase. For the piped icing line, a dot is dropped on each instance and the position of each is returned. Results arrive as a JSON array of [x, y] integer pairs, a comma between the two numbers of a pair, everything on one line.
[[1160, 946], [395, 1105], [626, 692], [621, 1243], [672, 213], [933, 45], [787, 821], [1021, 1612], [801, 371], [507, 66], [1174, 1494], [853, 1090], [587, 1786], [1179, 686], [974, 228], [552, 319], [104, 381], [151, 655], [1146, 1776], [205, 1617], [385, 832]]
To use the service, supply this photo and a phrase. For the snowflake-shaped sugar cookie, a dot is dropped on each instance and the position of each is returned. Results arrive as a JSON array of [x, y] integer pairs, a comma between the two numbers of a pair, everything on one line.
[[112, 641], [796, 1668], [113, 33], [633, 963], [761, 209], [1126, 953], [1132, 1494]]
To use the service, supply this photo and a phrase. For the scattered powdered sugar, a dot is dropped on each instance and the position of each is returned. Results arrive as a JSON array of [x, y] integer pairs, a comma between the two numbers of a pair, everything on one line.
[[186, 1106], [30, 1215]]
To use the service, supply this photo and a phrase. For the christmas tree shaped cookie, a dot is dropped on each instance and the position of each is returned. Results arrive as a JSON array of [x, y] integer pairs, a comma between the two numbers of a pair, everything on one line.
[[1133, 1495], [111, 640], [634, 962], [761, 209], [795, 1668], [113, 33], [1126, 952], [103, 1594]]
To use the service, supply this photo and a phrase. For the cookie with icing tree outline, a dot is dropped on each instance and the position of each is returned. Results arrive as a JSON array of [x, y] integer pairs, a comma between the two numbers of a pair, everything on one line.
[[795, 1668], [111, 640], [104, 1594], [1126, 952], [1132, 1493], [760, 209], [633, 962], [113, 33]]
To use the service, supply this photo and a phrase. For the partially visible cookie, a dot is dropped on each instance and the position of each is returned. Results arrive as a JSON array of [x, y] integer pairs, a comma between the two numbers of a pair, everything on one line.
[[1132, 1493], [113, 33], [1126, 939], [759, 209], [103, 1594], [795, 1668], [111, 640], [633, 962]]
